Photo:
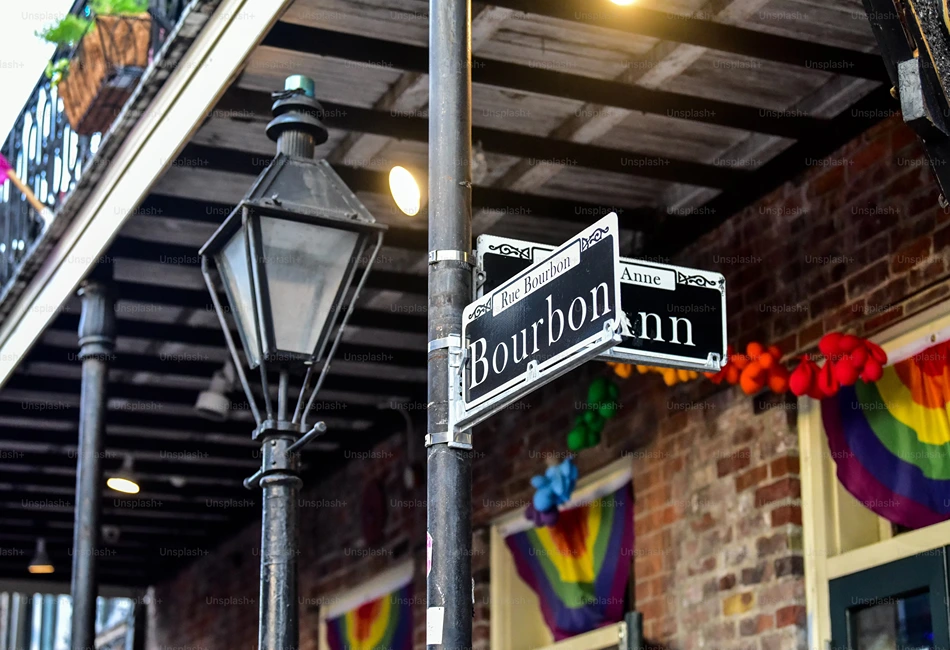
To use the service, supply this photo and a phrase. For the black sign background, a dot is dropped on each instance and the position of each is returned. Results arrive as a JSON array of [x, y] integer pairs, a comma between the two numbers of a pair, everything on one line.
[[696, 297], [596, 266]]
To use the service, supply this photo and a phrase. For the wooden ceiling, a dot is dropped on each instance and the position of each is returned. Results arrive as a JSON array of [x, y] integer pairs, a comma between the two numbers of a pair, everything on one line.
[[675, 114]]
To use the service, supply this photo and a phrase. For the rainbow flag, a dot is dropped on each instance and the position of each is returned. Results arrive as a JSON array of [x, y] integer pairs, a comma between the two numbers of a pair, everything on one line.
[[890, 439], [384, 623], [580, 566]]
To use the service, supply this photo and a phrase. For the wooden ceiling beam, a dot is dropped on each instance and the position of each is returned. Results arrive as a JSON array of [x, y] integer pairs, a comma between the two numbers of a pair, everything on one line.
[[377, 182], [709, 34], [354, 119], [523, 78]]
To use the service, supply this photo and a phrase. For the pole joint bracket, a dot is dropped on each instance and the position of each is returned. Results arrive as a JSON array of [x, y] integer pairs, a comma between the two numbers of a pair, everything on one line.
[[447, 255]]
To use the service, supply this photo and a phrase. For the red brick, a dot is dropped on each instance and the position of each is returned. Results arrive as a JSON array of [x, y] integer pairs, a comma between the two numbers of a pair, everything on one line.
[[787, 515], [810, 335], [912, 255], [791, 615], [752, 477], [733, 462], [867, 279], [785, 465], [782, 489]]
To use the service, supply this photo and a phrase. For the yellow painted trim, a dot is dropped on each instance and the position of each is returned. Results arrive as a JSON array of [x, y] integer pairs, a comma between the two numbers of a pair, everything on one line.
[[605, 637], [889, 550]]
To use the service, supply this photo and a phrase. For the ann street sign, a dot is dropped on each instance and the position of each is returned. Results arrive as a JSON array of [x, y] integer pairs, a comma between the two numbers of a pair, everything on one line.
[[549, 317], [674, 316]]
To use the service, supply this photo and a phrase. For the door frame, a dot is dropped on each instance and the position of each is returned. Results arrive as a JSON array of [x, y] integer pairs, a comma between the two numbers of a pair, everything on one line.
[[926, 572]]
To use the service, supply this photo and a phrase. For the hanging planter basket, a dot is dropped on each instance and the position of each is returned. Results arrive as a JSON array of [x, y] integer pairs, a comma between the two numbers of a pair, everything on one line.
[[104, 71]]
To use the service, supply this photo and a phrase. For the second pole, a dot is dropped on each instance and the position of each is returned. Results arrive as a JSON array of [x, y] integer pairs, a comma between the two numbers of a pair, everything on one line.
[[449, 462]]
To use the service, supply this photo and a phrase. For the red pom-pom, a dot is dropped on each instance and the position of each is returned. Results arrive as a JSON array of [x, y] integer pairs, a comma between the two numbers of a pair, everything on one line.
[[858, 357], [873, 371], [778, 379], [848, 342], [829, 344], [877, 352], [845, 372], [827, 383], [776, 352], [802, 378]]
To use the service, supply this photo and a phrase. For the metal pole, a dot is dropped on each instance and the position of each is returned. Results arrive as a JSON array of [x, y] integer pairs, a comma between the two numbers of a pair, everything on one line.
[[96, 342], [280, 483], [449, 467]]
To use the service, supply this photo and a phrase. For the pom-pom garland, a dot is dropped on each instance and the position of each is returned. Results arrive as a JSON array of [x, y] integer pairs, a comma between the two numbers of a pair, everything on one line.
[[847, 359]]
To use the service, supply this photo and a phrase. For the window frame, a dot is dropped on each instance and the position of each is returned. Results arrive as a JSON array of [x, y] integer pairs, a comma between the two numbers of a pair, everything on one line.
[[506, 585]]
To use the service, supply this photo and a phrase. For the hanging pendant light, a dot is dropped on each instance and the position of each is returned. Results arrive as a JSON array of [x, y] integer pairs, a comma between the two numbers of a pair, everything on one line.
[[124, 480], [40, 562]]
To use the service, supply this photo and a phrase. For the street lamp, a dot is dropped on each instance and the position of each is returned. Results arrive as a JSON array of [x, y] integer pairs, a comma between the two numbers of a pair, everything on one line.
[[287, 257]]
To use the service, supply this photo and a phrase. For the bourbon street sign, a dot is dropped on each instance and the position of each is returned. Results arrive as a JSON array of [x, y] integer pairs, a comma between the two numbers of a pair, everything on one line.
[[673, 316], [548, 318]]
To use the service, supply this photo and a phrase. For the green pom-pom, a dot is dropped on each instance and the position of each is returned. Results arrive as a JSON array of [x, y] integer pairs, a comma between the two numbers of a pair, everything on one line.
[[577, 439], [613, 391], [593, 439], [608, 410], [597, 391]]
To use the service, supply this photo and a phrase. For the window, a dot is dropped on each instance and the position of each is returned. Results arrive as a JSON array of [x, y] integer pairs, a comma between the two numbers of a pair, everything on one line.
[[376, 614], [517, 620]]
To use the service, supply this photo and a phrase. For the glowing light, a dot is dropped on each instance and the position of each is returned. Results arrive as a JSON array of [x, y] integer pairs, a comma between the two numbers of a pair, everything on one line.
[[125, 485], [623, 3], [40, 568], [405, 190]]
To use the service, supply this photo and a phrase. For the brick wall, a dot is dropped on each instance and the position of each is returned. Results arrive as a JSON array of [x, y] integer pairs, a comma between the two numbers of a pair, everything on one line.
[[858, 242]]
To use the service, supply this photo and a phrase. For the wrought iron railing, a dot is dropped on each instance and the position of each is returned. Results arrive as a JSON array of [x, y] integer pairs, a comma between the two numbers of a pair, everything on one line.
[[48, 156]]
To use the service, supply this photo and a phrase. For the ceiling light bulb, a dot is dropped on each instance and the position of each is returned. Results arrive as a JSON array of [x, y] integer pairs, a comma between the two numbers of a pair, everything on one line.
[[405, 190]]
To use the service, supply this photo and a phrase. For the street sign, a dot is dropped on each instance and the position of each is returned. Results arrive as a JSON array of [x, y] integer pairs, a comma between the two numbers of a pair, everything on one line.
[[549, 317], [674, 316]]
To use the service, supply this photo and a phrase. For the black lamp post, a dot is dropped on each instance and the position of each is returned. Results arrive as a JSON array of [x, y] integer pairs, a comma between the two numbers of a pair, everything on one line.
[[287, 257]]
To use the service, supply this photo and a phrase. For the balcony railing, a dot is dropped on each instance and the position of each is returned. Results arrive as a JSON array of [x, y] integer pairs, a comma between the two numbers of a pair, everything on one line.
[[48, 156]]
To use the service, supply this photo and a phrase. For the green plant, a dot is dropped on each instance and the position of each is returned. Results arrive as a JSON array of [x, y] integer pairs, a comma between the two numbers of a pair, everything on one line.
[[118, 7], [71, 29], [68, 31], [57, 70]]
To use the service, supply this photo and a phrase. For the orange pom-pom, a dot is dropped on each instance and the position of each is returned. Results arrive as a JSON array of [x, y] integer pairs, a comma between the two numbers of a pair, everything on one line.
[[766, 360], [754, 349], [776, 352], [778, 383], [732, 374], [740, 361]]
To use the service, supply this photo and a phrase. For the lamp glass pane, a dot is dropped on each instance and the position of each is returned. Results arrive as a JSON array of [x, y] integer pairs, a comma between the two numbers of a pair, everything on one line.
[[305, 265], [232, 265]]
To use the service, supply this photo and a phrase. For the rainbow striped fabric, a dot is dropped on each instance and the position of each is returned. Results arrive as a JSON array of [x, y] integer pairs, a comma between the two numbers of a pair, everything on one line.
[[579, 567], [890, 439], [384, 623]]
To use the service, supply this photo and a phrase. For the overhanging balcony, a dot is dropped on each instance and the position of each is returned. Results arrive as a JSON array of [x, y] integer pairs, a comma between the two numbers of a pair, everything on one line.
[[60, 165]]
